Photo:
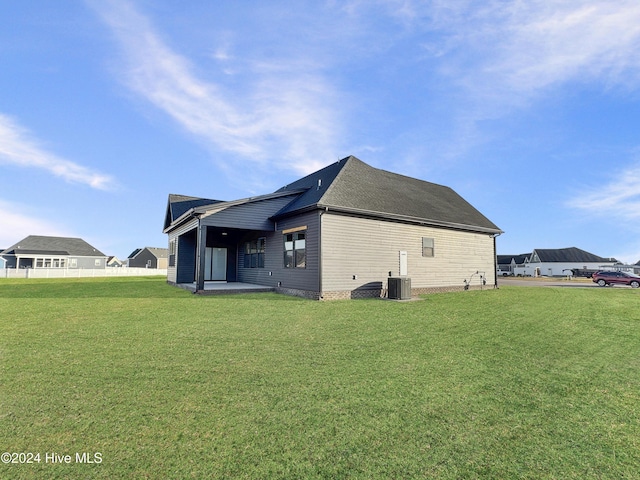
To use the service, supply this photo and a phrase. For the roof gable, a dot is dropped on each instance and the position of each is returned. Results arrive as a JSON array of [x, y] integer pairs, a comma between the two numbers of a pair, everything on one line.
[[180, 204], [351, 185]]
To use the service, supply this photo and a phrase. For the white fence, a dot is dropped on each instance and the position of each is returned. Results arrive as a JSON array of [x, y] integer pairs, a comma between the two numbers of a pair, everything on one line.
[[80, 272]]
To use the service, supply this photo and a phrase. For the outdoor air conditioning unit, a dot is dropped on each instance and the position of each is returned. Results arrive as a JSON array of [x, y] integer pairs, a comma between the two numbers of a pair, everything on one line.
[[399, 288]]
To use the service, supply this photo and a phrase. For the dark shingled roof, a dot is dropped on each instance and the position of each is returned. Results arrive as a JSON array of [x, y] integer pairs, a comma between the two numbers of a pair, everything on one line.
[[571, 254], [351, 185], [503, 259], [43, 245], [134, 253], [158, 252], [179, 204], [506, 259]]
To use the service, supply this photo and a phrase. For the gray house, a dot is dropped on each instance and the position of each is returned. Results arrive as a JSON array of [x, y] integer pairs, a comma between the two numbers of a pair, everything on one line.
[[340, 232], [149, 257], [36, 251]]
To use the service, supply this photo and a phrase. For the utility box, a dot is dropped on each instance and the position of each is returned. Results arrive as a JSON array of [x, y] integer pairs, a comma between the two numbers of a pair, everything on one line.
[[399, 288]]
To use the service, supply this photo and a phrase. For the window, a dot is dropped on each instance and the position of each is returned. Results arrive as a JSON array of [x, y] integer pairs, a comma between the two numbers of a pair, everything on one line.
[[73, 262], [172, 253], [254, 253], [51, 263], [295, 255], [97, 262], [427, 247]]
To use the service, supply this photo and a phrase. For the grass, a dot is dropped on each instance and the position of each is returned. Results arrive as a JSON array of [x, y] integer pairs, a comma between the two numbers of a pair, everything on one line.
[[520, 382]]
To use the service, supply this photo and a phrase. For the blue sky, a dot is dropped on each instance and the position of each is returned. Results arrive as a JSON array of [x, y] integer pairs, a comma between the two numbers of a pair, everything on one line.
[[529, 110]]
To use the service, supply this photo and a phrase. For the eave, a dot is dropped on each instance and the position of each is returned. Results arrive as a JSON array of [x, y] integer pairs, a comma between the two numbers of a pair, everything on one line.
[[394, 217]]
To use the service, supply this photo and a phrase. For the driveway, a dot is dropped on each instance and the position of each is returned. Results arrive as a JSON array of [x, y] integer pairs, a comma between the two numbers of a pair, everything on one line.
[[546, 282]]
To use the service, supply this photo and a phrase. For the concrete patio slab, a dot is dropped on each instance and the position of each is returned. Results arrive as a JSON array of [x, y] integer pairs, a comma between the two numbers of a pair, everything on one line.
[[223, 288]]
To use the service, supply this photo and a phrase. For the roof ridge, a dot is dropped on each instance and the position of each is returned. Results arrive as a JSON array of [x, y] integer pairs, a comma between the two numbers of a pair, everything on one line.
[[347, 161]]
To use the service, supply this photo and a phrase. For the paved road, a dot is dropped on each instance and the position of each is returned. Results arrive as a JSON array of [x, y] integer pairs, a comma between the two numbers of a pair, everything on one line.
[[545, 282]]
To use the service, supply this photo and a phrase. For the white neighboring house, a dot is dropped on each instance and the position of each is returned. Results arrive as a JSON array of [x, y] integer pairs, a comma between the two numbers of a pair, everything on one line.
[[114, 262], [508, 264], [560, 262]]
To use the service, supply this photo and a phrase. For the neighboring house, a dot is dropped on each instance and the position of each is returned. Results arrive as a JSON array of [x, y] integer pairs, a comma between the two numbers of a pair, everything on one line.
[[37, 251], [562, 261], [149, 257], [114, 262], [340, 232], [507, 264]]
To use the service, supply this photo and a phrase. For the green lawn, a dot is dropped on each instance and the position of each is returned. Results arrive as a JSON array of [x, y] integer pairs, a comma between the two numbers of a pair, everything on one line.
[[520, 382]]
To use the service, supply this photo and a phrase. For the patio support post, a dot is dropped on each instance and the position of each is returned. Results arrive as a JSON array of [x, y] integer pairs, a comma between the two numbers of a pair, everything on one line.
[[201, 243]]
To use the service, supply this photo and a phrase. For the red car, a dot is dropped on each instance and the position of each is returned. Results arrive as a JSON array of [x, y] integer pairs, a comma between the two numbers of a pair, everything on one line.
[[605, 278]]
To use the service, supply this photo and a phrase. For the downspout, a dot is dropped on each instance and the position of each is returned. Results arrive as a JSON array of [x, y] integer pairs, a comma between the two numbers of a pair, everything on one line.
[[495, 263], [320, 253]]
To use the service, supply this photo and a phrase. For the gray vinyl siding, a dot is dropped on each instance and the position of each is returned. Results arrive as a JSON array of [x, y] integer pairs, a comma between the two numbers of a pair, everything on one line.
[[172, 269], [172, 272], [142, 258], [186, 258], [87, 262], [297, 278], [250, 216], [260, 276], [369, 250]]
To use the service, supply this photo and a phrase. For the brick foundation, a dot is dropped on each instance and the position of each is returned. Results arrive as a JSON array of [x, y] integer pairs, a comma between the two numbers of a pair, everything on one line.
[[340, 294], [382, 293], [294, 292]]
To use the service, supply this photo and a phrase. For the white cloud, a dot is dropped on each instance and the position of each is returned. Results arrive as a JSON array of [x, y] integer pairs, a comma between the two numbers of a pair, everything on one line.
[[284, 118], [490, 59], [566, 41], [17, 224], [619, 199], [630, 257], [508, 51], [18, 147]]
